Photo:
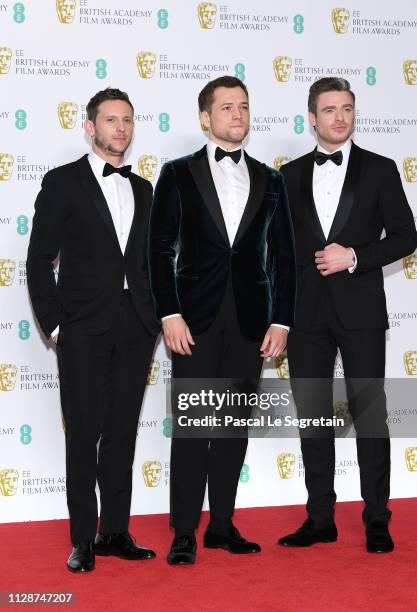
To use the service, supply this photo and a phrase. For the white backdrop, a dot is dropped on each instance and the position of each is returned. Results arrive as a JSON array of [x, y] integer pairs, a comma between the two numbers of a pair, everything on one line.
[[162, 55]]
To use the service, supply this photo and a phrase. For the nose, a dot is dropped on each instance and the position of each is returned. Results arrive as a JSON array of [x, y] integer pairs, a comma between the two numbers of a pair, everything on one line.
[[237, 113]]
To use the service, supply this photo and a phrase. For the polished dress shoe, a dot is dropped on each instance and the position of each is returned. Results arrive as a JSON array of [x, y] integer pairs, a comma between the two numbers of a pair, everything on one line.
[[308, 535], [183, 550], [121, 545], [82, 558], [232, 542], [378, 539]]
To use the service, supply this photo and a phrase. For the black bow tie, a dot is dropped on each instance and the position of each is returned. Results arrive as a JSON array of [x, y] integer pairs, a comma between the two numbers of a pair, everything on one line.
[[123, 171], [321, 158], [220, 153]]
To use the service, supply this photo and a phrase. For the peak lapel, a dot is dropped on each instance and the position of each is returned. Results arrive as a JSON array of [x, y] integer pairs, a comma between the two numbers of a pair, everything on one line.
[[307, 196], [348, 193], [256, 193], [200, 171], [93, 189]]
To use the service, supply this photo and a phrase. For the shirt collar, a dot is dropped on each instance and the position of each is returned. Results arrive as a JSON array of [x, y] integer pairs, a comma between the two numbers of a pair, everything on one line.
[[345, 148], [212, 146], [97, 163]]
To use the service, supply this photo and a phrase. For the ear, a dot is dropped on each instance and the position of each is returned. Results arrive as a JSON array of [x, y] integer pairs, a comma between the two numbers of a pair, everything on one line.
[[89, 128], [205, 119], [312, 119]]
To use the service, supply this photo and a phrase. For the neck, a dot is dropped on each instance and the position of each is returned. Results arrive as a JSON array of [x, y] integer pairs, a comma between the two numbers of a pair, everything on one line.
[[111, 158], [331, 147], [224, 144]]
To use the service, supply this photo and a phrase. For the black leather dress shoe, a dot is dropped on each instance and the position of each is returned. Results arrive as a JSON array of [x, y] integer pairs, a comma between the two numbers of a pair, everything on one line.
[[378, 539], [183, 550], [82, 558], [232, 542], [121, 545], [307, 535]]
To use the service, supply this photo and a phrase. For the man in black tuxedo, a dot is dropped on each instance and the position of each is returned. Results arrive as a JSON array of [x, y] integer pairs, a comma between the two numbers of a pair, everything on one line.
[[226, 302], [341, 198], [94, 214]]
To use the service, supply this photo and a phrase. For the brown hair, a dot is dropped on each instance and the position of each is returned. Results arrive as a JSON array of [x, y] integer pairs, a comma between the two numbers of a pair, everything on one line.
[[205, 97], [103, 96], [324, 85]]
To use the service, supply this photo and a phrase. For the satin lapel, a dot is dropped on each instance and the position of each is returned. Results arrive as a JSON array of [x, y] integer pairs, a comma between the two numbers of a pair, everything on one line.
[[348, 193], [256, 193], [137, 214], [200, 170], [307, 197], [93, 189]]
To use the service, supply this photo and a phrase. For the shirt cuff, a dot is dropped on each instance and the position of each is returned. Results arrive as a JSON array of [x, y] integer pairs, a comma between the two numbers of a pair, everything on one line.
[[355, 262], [279, 325], [177, 314], [55, 332]]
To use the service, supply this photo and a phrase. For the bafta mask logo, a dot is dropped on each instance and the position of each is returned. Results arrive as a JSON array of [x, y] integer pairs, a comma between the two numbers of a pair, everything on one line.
[[411, 458], [340, 20], [7, 272], [341, 411], [153, 372], [410, 363], [151, 471], [410, 71], [68, 113], [281, 365], [280, 161], [8, 374], [286, 465], [147, 165], [207, 12], [5, 59], [6, 166], [410, 266], [282, 68], [9, 479], [146, 62], [410, 169], [66, 10]]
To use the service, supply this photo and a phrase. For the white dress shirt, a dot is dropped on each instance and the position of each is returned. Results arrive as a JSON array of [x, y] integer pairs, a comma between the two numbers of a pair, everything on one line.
[[119, 197], [121, 202], [232, 183], [328, 182]]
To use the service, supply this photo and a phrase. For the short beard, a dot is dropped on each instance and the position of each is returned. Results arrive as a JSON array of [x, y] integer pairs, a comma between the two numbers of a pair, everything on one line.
[[108, 148]]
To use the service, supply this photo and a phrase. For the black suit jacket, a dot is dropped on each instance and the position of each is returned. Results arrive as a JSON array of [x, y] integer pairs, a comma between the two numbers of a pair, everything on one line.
[[72, 219], [372, 199], [187, 220]]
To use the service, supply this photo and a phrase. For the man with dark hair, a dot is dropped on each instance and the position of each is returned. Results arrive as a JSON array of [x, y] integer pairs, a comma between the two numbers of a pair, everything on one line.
[[94, 213], [342, 198], [223, 278]]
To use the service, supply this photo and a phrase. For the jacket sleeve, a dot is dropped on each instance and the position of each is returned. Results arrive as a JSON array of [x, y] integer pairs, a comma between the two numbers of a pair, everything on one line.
[[51, 213], [400, 232], [281, 250], [163, 240]]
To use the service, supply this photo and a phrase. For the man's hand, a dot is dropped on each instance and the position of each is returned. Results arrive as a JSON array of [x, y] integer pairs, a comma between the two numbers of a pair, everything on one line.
[[274, 342], [177, 335], [334, 258]]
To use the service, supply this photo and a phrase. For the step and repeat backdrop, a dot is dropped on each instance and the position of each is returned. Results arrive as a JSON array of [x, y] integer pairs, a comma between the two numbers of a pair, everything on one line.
[[54, 55]]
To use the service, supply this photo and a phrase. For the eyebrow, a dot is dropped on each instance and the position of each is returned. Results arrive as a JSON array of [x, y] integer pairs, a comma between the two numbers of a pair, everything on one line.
[[334, 106]]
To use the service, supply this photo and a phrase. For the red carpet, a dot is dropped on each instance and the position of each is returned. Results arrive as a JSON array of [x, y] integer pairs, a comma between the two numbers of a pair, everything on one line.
[[335, 577]]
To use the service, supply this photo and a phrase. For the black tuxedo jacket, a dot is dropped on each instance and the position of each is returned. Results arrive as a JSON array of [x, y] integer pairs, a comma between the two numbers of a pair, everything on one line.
[[72, 219], [187, 220], [372, 199]]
